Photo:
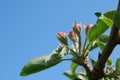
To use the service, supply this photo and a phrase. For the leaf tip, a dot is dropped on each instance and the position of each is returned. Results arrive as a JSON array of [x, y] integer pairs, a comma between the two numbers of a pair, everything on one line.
[[98, 14], [22, 73]]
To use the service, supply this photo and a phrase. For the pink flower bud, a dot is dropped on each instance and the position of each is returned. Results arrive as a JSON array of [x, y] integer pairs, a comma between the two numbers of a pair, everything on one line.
[[88, 27], [77, 28], [62, 37], [73, 36]]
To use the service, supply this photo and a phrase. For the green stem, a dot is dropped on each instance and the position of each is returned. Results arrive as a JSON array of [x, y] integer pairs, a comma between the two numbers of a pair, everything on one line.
[[87, 48], [84, 43]]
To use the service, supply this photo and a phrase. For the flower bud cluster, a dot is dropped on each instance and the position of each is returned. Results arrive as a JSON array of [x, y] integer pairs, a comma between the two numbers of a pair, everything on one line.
[[74, 34], [79, 50]]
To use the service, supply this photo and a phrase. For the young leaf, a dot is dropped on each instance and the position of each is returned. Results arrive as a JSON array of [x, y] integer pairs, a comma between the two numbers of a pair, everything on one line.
[[76, 76], [100, 45], [82, 73], [64, 51], [101, 38], [102, 24], [43, 62], [70, 75], [118, 65], [73, 67]]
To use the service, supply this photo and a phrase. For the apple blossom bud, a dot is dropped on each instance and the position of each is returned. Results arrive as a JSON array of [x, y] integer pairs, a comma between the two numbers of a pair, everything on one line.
[[62, 37], [88, 27], [73, 36], [77, 28]]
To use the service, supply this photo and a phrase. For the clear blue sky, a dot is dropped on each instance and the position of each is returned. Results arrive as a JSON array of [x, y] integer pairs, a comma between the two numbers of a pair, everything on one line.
[[28, 29]]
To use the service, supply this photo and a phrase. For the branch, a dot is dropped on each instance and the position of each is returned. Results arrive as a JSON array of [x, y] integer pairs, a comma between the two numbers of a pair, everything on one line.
[[118, 38], [98, 70], [84, 63]]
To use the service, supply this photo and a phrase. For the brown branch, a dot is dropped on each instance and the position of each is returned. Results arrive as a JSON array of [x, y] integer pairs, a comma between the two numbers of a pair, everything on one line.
[[84, 63], [118, 38], [98, 70]]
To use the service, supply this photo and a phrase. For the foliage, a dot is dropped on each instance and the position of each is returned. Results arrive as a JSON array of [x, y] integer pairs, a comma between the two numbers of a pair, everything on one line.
[[95, 38]]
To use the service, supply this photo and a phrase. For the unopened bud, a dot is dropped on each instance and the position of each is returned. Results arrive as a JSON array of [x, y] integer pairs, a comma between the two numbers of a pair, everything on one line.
[[77, 28], [62, 37], [73, 36], [88, 27]]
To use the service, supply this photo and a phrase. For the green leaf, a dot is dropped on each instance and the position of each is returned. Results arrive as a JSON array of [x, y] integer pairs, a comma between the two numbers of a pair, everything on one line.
[[43, 62], [75, 76], [93, 62], [109, 61], [102, 24], [110, 14], [93, 46], [118, 65], [114, 16], [100, 45], [98, 14], [117, 19], [106, 20], [64, 51], [73, 67], [101, 38], [70, 75], [82, 73]]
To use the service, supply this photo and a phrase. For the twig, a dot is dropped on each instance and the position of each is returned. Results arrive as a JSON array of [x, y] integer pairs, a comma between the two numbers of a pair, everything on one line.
[[98, 71]]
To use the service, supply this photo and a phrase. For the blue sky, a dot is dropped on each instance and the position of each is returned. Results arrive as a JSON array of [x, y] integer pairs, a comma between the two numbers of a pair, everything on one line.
[[28, 29]]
